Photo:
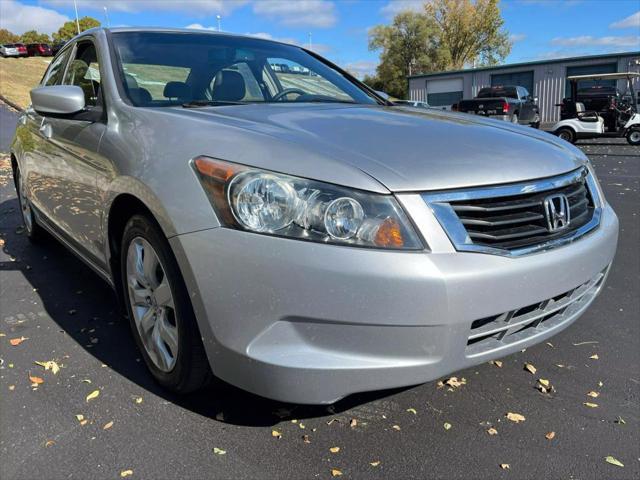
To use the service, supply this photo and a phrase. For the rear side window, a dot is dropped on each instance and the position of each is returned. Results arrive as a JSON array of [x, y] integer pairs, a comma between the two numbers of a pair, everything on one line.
[[54, 73]]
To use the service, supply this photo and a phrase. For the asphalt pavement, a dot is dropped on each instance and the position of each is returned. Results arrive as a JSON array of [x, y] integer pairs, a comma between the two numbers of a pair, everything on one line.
[[133, 429]]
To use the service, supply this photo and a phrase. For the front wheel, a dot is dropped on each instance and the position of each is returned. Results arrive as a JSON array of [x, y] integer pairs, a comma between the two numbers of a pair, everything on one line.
[[633, 136], [566, 134], [160, 312]]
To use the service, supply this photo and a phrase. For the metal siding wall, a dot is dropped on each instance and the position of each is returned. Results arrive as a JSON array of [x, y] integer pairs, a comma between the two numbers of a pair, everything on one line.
[[548, 79]]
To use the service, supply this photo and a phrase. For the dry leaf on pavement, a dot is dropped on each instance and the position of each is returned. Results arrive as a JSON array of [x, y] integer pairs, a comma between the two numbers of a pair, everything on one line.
[[126, 473], [49, 443], [35, 381], [453, 382], [17, 341], [613, 461], [492, 431], [276, 434], [219, 451], [505, 466], [530, 368], [412, 410], [305, 439], [108, 425], [396, 427], [590, 405], [353, 423], [497, 363], [515, 417], [447, 426], [594, 357], [93, 395], [375, 464], [334, 449], [50, 365], [335, 472], [550, 435], [593, 394]]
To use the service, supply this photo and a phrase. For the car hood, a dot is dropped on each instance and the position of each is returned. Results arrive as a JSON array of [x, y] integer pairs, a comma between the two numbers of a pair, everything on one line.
[[408, 149]]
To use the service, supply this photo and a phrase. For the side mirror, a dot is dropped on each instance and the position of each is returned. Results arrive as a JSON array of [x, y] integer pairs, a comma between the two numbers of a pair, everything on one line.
[[57, 100]]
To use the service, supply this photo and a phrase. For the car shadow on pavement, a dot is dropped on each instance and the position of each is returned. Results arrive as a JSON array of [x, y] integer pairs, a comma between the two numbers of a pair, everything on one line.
[[85, 308]]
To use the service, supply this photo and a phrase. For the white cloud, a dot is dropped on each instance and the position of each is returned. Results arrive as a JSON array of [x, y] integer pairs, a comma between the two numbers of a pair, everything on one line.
[[199, 26], [197, 8], [394, 7], [588, 40], [268, 36], [361, 68], [19, 18], [632, 21], [299, 13], [517, 37]]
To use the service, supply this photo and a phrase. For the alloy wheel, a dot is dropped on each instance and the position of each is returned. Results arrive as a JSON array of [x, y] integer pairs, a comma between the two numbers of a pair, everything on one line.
[[152, 304], [634, 136]]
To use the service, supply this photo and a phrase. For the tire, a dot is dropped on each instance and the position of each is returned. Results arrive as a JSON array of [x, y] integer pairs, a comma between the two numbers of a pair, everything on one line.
[[172, 347], [633, 136], [35, 233], [514, 118], [567, 134]]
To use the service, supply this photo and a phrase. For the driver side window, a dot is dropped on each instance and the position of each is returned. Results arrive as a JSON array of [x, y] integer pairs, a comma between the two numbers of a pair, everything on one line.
[[84, 72]]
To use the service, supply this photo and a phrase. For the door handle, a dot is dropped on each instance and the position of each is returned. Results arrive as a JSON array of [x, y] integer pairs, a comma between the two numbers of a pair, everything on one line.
[[45, 129]]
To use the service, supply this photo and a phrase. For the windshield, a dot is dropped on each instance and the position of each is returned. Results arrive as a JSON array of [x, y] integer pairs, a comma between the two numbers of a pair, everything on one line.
[[192, 69]]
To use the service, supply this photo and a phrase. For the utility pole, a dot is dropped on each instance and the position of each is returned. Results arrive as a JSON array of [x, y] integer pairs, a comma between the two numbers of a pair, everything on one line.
[[75, 7], [106, 14], [218, 17], [310, 44]]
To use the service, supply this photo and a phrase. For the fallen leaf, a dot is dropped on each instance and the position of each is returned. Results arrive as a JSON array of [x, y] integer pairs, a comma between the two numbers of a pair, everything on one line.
[[353, 423], [35, 381], [50, 365], [453, 382], [412, 410], [17, 341], [620, 421], [375, 464], [396, 427], [219, 451], [305, 439], [12, 387], [276, 434], [335, 472], [505, 466], [600, 384], [138, 400], [593, 394], [594, 357], [544, 382], [497, 363], [550, 435], [515, 417], [93, 395], [590, 405], [550, 344], [49, 443], [302, 426], [126, 473], [108, 425], [447, 426], [613, 461], [333, 420], [80, 417], [492, 431], [530, 368], [86, 380], [334, 449]]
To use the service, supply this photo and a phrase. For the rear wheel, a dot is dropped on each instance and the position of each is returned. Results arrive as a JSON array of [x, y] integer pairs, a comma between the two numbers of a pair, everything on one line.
[[633, 136], [31, 227], [160, 312], [566, 134]]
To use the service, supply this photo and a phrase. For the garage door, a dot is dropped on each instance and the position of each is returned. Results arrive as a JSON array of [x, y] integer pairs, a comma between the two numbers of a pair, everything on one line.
[[589, 70], [524, 79], [444, 92]]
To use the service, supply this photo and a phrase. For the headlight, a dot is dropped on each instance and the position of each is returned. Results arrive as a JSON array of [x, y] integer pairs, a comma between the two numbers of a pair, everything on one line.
[[276, 204]]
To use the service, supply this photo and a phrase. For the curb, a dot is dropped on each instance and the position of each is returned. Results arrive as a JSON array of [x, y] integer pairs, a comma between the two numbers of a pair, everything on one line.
[[13, 105]]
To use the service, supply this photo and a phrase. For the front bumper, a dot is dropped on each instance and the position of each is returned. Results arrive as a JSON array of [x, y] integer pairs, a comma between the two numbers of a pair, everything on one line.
[[311, 323]]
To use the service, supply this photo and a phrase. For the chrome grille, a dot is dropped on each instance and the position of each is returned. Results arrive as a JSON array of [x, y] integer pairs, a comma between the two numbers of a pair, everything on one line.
[[514, 219], [491, 333]]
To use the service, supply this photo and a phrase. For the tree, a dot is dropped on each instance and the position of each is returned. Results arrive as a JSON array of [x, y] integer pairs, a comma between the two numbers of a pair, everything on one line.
[[407, 46], [469, 32], [34, 37], [69, 29], [8, 37]]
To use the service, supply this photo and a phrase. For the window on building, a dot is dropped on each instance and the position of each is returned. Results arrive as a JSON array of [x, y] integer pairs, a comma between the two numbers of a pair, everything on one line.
[[523, 79]]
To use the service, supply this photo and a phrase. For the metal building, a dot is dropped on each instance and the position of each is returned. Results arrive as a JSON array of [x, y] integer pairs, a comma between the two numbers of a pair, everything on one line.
[[545, 79]]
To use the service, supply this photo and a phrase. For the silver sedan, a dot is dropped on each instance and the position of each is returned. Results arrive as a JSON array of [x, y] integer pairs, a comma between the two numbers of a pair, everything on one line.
[[268, 220]]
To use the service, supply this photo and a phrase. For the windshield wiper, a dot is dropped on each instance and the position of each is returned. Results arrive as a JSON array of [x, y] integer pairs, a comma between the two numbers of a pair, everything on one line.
[[211, 103]]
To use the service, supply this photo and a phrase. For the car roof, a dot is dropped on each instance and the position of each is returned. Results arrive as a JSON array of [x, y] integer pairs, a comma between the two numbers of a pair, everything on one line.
[[180, 30]]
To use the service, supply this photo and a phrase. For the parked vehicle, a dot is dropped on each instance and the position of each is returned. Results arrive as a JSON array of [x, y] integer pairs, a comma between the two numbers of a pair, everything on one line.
[[39, 50], [56, 47], [9, 50], [302, 243], [619, 119], [509, 103], [22, 49]]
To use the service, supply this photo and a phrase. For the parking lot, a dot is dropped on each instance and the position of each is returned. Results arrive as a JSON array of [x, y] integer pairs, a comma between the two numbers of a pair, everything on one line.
[[65, 313]]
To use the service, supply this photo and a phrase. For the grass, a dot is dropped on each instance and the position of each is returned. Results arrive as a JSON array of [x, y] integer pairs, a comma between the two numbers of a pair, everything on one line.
[[19, 75]]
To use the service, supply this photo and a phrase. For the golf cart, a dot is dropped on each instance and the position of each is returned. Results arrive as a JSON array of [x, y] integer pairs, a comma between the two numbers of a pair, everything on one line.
[[617, 118]]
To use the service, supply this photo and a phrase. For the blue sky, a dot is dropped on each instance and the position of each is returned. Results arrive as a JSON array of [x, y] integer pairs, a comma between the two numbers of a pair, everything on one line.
[[540, 28]]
